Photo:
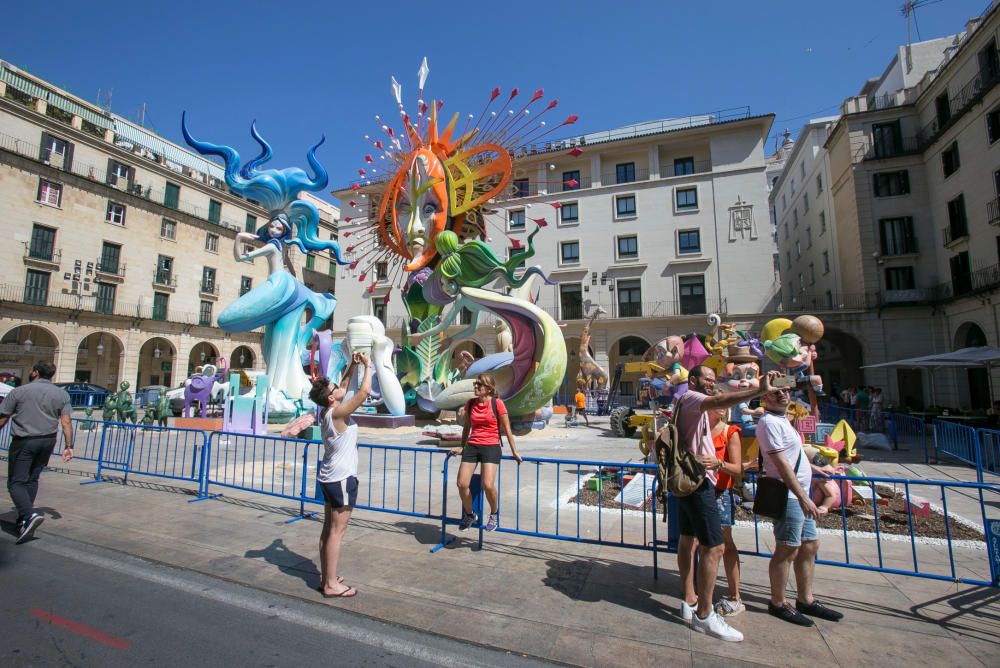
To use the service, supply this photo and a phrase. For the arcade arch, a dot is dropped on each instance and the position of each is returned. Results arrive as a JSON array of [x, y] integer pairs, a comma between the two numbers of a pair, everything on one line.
[[22, 347], [156, 363], [100, 359]]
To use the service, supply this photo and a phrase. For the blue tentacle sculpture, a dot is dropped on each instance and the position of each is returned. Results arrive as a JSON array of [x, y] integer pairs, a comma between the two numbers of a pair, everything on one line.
[[278, 304]]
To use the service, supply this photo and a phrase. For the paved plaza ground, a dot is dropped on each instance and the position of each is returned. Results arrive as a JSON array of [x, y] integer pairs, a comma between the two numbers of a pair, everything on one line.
[[564, 601]]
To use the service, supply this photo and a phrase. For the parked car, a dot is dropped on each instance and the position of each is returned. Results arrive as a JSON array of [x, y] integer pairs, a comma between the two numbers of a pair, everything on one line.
[[85, 395]]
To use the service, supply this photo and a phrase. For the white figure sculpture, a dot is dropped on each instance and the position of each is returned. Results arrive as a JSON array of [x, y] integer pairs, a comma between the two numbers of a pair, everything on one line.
[[366, 333]]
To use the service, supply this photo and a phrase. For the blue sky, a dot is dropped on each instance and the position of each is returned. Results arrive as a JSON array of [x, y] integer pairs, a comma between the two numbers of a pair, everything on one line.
[[305, 69]]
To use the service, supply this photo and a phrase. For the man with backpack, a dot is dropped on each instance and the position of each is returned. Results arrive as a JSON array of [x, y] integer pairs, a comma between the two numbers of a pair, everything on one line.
[[700, 522]]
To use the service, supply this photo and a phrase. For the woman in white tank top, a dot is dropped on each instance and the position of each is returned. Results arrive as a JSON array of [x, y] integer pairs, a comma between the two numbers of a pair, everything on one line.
[[338, 472]]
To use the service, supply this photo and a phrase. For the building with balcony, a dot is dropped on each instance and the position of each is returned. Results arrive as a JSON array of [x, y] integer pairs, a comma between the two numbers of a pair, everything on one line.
[[912, 176], [119, 245], [658, 223]]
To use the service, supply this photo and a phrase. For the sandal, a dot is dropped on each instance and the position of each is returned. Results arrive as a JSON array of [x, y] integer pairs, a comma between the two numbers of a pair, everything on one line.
[[350, 592], [319, 587]]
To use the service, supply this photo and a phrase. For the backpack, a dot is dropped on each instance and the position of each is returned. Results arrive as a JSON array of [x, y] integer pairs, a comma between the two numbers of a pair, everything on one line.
[[496, 415], [678, 472]]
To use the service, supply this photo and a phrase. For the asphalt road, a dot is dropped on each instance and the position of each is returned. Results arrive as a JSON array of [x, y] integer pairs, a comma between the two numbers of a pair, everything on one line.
[[69, 604]]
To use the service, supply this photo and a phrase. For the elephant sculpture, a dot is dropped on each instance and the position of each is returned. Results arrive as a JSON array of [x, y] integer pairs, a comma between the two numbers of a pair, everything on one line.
[[199, 386]]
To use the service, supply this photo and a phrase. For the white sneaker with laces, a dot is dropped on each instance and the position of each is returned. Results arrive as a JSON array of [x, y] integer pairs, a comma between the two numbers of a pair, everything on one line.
[[687, 611], [716, 626]]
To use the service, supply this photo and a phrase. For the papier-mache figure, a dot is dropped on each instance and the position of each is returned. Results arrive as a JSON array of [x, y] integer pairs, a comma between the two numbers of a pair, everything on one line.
[[791, 344], [741, 372]]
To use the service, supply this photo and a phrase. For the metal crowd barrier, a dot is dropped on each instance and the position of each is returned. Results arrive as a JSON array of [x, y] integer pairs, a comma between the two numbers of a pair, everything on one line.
[[541, 497], [553, 516], [960, 442], [904, 552], [393, 479]]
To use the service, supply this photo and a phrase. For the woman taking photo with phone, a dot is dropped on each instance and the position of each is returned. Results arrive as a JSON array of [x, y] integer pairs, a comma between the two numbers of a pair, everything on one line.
[[338, 472], [485, 417]]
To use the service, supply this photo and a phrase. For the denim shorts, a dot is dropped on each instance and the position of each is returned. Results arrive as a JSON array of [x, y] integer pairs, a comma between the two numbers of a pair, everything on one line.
[[724, 500], [796, 528]]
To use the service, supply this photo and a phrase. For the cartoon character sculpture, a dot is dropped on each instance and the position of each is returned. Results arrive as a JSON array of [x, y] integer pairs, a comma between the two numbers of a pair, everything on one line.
[[124, 408], [594, 376], [110, 407], [163, 409], [430, 222], [280, 303], [200, 385], [741, 372], [791, 344], [366, 333]]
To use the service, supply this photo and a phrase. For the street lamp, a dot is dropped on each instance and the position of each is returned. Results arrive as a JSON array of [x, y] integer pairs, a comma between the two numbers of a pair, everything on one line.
[[27, 342], [156, 351], [100, 347]]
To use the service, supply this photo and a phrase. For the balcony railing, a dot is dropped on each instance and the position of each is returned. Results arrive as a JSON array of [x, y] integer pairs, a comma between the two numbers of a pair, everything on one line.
[[209, 289], [611, 178], [115, 268], [960, 103], [993, 212], [953, 232], [164, 279], [99, 174], [890, 149], [669, 170], [42, 253], [657, 309], [806, 301], [18, 294]]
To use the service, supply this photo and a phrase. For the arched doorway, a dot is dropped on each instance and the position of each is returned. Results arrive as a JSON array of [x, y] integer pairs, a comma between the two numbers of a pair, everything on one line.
[[100, 358], [839, 360], [627, 349], [21, 348], [202, 353], [156, 363], [242, 358], [976, 390]]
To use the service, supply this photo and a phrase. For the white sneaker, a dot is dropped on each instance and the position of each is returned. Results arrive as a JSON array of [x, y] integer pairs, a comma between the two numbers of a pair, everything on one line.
[[687, 611], [716, 626]]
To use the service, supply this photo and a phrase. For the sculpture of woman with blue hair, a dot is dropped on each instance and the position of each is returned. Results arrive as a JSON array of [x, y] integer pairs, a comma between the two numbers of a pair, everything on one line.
[[278, 304]]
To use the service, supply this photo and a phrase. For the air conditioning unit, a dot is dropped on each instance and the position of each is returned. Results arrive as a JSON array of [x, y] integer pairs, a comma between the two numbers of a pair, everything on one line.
[[56, 160]]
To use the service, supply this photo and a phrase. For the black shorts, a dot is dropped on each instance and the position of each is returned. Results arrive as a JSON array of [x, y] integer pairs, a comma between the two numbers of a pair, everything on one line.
[[700, 515], [341, 494], [481, 454]]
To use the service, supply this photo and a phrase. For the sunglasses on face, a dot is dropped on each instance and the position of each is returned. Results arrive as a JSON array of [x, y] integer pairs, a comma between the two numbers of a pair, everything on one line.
[[477, 384]]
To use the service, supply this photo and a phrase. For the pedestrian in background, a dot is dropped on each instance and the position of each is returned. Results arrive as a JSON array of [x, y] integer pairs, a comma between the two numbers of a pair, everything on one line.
[[485, 416], [35, 411], [338, 472]]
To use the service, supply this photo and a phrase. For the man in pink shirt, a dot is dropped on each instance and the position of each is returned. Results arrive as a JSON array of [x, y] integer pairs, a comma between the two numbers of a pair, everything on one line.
[[699, 513]]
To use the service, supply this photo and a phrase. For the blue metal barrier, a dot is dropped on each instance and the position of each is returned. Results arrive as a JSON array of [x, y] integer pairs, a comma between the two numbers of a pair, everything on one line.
[[909, 429], [550, 516], [161, 452], [286, 468], [989, 450], [960, 442], [86, 439], [910, 554]]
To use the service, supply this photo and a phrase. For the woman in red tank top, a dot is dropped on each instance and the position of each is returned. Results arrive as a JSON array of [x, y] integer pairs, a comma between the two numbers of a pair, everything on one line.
[[485, 417]]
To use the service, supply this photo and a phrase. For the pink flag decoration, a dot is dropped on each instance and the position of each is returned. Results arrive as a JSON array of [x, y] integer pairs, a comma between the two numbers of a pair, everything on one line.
[[575, 152], [368, 158], [572, 183], [513, 94], [538, 93], [353, 202], [495, 94], [361, 278], [552, 105], [354, 264], [540, 222], [361, 172], [570, 120], [556, 205], [516, 244], [348, 219], [355, 186]]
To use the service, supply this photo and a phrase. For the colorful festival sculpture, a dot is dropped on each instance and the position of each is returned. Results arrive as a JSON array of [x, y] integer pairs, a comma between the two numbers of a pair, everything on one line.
[[279, 304], [429, 224]]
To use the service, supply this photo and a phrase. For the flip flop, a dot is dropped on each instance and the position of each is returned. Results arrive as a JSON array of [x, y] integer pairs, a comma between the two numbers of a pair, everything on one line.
[[319, 587], [350, 592]]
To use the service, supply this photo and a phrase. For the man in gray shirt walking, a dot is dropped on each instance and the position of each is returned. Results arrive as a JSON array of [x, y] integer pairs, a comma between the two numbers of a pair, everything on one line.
[[35, 412]]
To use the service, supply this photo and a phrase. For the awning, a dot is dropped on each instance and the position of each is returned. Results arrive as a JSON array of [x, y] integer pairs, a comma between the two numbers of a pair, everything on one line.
[[964, 359]]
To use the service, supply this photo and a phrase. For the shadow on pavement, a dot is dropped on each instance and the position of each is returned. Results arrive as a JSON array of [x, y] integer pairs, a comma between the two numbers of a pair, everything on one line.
[[288, 562], [593, 580]]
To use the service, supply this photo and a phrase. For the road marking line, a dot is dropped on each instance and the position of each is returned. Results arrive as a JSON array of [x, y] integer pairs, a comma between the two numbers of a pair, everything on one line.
[[80, 629]]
